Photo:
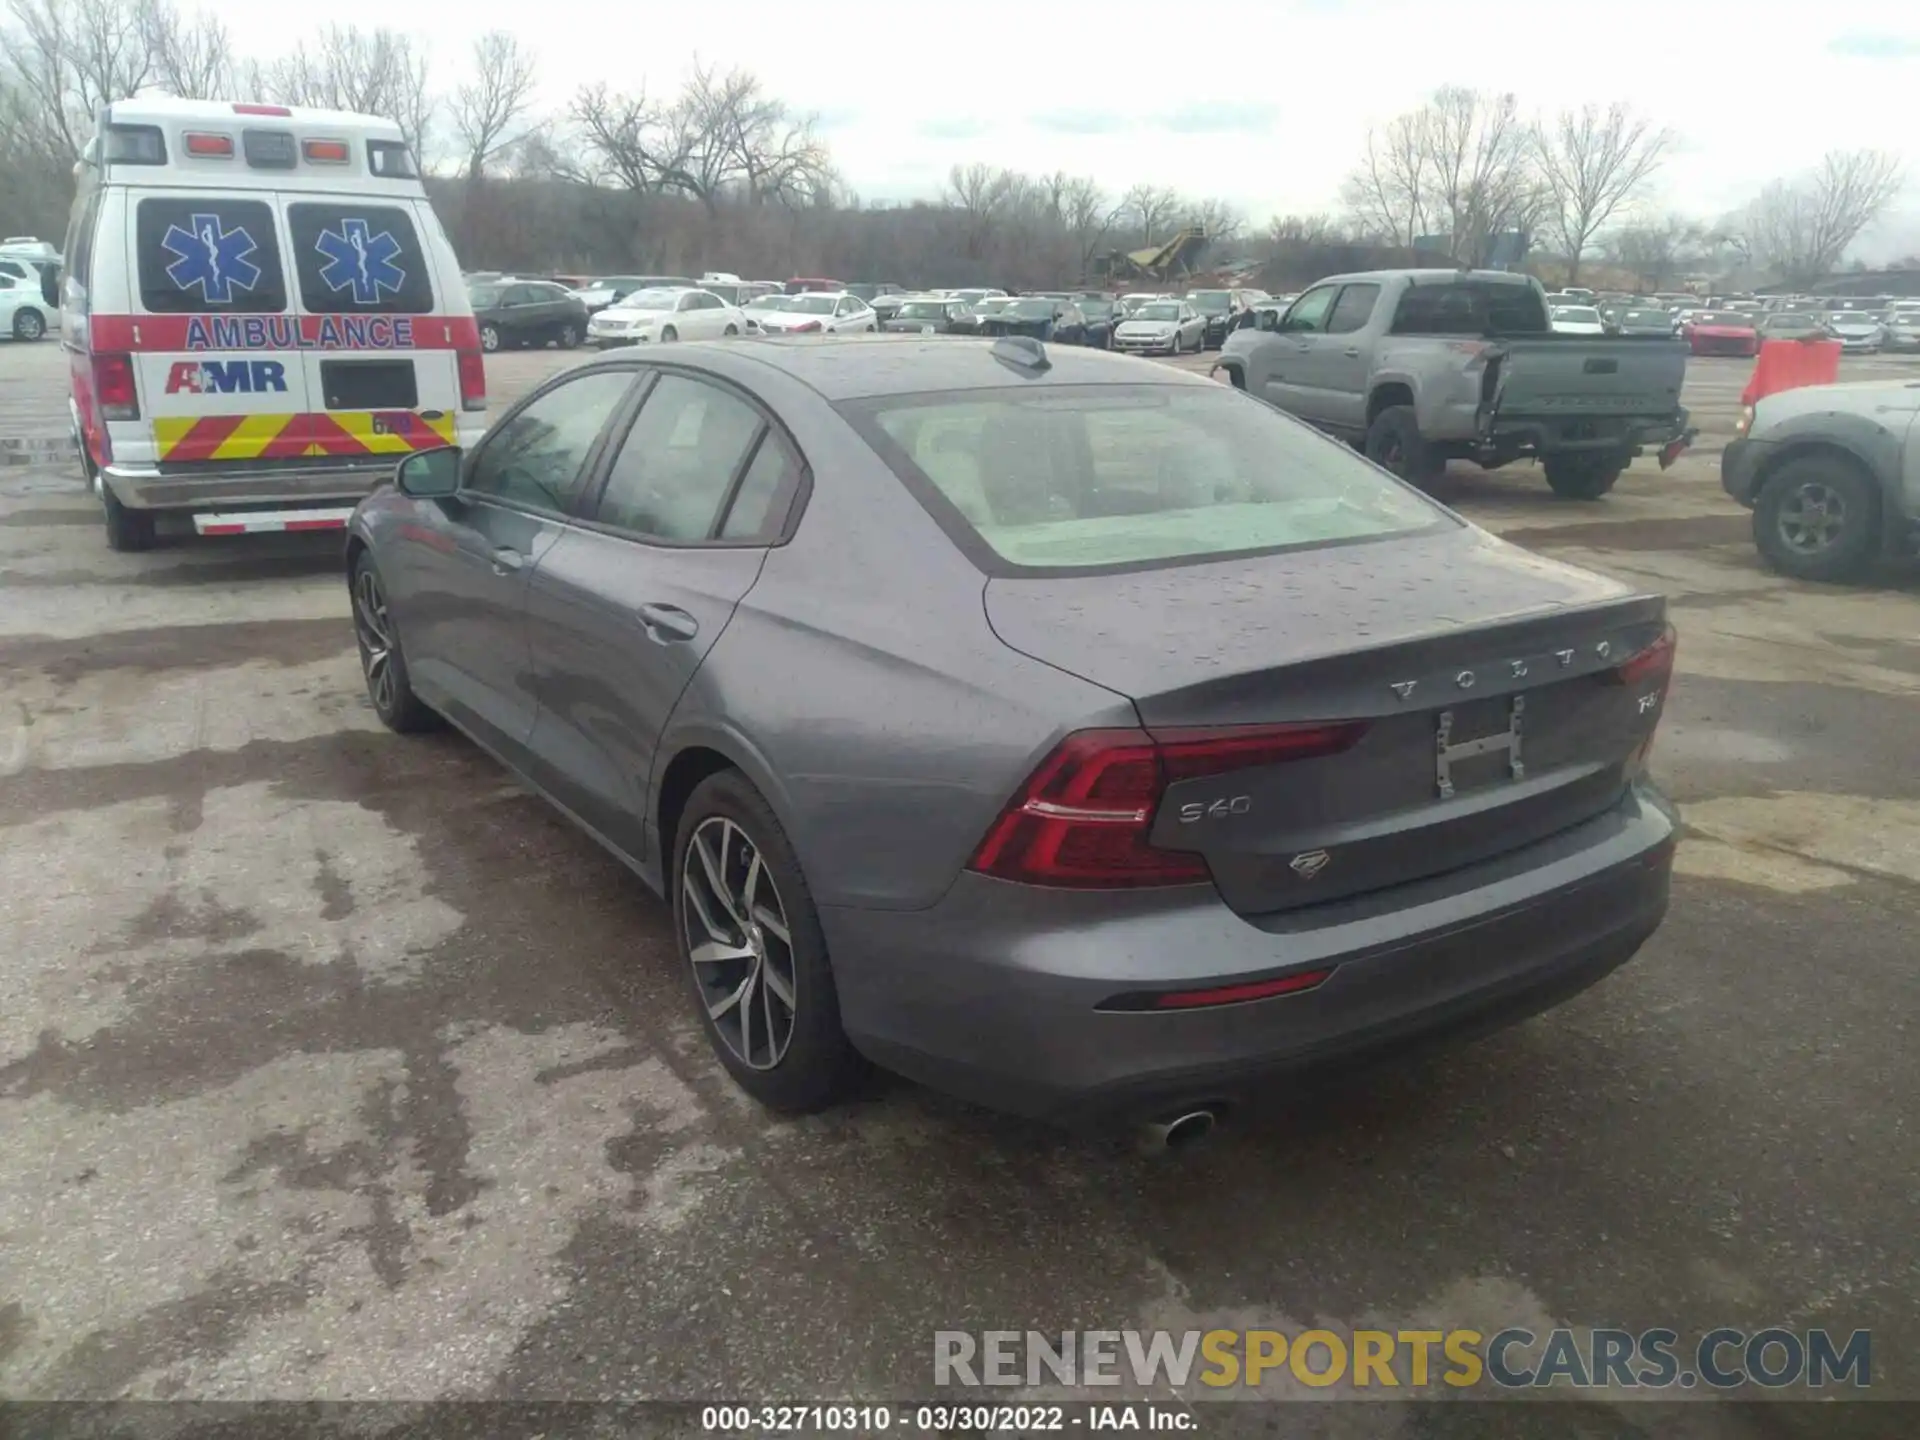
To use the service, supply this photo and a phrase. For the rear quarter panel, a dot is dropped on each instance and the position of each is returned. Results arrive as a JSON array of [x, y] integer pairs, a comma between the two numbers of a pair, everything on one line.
[[861, 688]]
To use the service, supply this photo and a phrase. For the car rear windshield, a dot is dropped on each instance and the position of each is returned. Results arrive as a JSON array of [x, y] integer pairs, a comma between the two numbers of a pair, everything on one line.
[[1164, 311], [1211, 299], [924, 310], [1646, 317], [205, 255], [1114, 476], [1721, 317], [1577, 314], [354, 258], [1471, 307]]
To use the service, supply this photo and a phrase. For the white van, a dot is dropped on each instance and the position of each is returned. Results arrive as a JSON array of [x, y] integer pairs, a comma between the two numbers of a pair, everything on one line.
[[261, 312]]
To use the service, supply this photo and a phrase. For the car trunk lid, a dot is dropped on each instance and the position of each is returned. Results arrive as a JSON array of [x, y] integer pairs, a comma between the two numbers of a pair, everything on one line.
[[1486, 682]]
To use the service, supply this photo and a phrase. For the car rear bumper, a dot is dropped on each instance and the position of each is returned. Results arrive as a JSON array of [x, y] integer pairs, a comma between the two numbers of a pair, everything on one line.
[[995, 993], [224, 486]]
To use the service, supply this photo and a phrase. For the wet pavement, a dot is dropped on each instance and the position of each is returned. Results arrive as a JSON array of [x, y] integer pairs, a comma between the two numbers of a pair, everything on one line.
[[333, 1065]]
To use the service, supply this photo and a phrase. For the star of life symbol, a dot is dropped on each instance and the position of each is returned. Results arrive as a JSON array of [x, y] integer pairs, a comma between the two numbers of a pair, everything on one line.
[[360, 258], [212, 258]]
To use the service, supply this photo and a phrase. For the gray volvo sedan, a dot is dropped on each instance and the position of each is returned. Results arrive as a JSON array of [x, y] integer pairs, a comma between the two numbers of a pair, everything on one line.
[[1062, 730]]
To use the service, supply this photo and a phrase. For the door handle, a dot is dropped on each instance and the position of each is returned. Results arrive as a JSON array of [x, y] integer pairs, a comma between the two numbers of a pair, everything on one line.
[[1302, 346], [667, 622], [506, 560], [1352, 352]]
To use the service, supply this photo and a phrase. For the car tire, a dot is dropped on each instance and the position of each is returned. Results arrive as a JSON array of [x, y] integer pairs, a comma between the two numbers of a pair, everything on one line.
[[731, 330], [491, 341], [29, 324], [382, 666], [1582, 477], [1394, 443], [128, 530], [669, 335], [569, 337], [1817, 518], [747, 881]]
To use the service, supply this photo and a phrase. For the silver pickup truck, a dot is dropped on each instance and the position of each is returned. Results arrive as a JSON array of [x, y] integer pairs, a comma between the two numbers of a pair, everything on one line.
[[1419, 367]]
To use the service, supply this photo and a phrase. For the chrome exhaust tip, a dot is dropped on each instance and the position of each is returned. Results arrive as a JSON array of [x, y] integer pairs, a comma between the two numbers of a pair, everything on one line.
[[1179, 1131]]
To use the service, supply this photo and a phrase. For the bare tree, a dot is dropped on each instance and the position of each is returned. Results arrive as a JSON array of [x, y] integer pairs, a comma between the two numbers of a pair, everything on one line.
[[1088, 217], [70, 57], [1593, 164], [621, 139], [489, 112], [191, 59], [370, 72], [1656, 250], [1388, 194], [980, 194], [1150, 211], [1223, 223], [1802, 228], [1480, 170]]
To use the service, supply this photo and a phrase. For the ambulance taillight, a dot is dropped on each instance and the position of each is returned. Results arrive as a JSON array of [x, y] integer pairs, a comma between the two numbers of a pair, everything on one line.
[[473, 380], [113, 388]]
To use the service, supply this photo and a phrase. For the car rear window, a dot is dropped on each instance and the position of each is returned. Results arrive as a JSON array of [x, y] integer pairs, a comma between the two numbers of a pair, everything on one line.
[[200, 255], [1471, 307], [358, 259], [1073, 478]]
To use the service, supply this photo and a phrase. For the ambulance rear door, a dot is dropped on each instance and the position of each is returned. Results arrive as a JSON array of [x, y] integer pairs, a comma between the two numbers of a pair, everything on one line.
[[214, 342], [382, 371]]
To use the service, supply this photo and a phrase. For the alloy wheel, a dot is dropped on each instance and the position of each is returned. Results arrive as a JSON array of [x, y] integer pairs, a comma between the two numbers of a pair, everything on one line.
[[736, 933], [1812, 517], [376, 639]]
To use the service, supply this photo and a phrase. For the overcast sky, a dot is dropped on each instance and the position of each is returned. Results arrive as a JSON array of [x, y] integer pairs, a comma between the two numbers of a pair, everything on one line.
[[1264, 102]]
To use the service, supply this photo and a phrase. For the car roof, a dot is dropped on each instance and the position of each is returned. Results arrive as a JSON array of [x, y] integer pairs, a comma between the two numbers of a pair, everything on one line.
[[853, 367]]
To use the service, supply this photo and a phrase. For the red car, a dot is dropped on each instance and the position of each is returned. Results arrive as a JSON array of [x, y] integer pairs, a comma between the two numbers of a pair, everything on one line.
[[1722, 332]]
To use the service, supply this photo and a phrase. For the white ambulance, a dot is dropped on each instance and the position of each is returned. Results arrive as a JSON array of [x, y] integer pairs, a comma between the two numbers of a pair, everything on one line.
[[261, 314]]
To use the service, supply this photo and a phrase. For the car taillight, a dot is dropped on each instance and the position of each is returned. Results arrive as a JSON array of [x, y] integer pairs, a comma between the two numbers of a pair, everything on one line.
[[1654, 662], [113, 387], [1652, 665], [1082, 819], [473, 379]]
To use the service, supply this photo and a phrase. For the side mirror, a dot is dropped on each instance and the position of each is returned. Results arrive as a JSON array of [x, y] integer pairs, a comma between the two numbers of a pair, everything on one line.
[[429, 474]]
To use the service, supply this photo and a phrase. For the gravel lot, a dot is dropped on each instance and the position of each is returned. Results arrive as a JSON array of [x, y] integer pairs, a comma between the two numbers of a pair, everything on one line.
[[332, 1065]]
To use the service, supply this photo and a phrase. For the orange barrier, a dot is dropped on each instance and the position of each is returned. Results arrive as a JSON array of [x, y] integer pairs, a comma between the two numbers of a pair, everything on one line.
[[1789, 364]]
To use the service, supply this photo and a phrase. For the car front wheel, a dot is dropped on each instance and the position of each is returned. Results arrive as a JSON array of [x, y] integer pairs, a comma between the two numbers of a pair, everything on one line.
[[29, 324], [490, 338], [1818, 518], [749, 934]]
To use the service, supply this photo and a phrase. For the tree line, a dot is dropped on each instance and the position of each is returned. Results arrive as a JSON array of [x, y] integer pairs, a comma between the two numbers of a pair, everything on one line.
[[722, 174]]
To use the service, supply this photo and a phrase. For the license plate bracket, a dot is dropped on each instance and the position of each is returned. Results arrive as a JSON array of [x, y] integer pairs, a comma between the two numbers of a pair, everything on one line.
[[1508, 741]]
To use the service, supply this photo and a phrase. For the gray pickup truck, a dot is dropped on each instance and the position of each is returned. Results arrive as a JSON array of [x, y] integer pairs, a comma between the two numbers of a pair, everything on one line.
[[1419, 367]]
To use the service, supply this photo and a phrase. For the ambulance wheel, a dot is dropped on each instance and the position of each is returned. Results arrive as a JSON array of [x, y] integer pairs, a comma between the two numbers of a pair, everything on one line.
[[569, 337], [490, 338], [127, 530]]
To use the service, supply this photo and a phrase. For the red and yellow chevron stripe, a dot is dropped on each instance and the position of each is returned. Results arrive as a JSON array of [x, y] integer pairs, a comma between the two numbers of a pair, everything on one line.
[[287, 437]]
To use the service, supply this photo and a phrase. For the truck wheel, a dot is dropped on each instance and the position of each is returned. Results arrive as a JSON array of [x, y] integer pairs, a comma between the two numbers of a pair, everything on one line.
[[1582, 477], [127, 530], [1818, 518], [1395, 445]]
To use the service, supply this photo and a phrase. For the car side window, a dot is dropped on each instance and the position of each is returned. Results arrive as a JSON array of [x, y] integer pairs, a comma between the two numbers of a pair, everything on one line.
[[1309, 312], [538, 458], [1353, 309], [677, 464], [766, 490]]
